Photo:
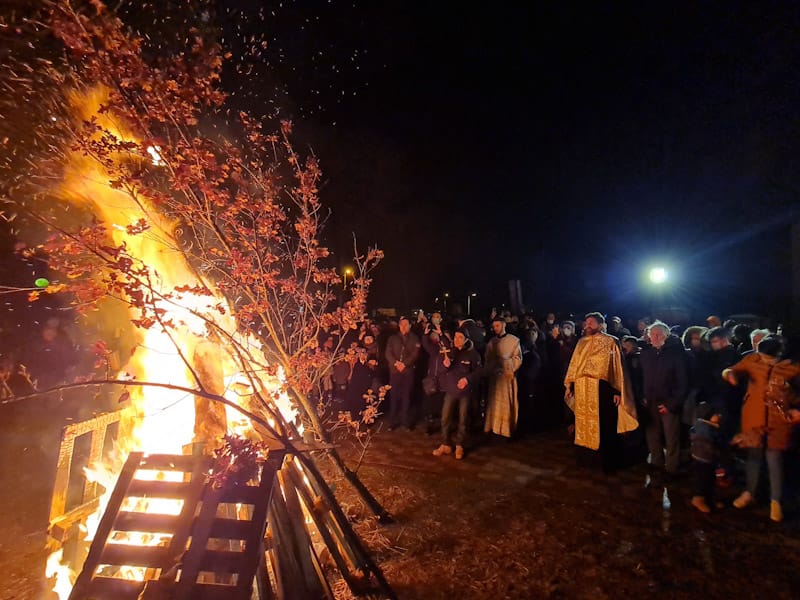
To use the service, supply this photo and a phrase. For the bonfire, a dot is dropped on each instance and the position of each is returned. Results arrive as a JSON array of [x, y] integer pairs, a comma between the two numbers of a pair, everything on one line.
[[202, 253]]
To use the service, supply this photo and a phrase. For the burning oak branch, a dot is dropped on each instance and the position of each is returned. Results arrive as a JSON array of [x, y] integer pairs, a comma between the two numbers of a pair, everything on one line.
[[211, 247]]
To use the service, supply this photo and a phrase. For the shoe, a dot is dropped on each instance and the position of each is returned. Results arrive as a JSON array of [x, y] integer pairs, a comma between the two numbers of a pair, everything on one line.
[[775, 510], [700, 504], [459, 452], [442, 450], [744, 500]]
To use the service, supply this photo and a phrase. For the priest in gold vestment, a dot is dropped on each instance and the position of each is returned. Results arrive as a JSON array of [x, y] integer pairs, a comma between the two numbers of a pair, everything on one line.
[[598, 395]]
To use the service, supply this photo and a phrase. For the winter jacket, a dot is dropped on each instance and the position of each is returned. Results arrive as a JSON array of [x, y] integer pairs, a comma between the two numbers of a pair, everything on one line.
[[706, 440], [665, 376], [771, 391], [712, 388], [435, 356], [403, 348], [464, 362]]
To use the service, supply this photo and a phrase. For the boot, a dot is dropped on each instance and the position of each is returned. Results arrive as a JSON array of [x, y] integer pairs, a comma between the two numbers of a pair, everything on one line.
[[459, 452], [745, 499], [442, 450], [775, 510], [700, 504]]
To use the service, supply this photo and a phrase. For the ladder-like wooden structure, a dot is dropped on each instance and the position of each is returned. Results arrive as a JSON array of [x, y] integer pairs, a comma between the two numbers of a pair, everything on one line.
[[210, 549], [297, 536]]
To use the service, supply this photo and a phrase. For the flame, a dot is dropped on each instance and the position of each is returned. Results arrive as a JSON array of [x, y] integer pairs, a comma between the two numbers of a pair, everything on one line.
[[160, 421]]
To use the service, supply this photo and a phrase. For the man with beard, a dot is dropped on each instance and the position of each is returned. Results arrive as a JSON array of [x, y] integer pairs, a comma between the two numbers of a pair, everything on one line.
[[503, 359], [597, 393]]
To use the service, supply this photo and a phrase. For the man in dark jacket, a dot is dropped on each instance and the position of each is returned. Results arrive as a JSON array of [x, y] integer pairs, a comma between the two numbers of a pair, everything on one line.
[[402, 351], [664, 387], [436, 345], [460, 377]]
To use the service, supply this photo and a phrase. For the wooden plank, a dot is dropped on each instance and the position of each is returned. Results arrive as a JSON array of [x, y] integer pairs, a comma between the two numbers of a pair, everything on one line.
[[193, 558], [221, 561], [241, 494], [159, 489], [186, 520], [60, 526], [263, 589], [102, 421], [160, 590], [230, 529], [296, 524], [95, 456], [79, 591], [259, 519], [345, 567], [172, 462], [58, 504], [147, 522], [153, 557], [283, 552], [119, 589]]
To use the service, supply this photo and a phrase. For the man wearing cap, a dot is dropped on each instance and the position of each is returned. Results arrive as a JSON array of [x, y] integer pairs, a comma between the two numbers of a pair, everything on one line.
[[616, 329], [462, 371]]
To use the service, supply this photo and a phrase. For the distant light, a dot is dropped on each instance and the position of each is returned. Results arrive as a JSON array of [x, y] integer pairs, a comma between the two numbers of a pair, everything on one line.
[[658, 275]]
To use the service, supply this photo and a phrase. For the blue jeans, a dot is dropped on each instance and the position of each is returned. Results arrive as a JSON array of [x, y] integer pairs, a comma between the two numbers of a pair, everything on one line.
[[448, 408], [755, 457]]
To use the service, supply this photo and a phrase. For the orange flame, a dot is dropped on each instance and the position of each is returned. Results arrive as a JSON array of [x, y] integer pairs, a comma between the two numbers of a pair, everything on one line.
[[161, 421]]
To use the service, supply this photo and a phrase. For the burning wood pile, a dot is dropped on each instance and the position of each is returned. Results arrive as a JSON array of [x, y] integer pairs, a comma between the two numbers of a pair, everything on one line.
[[179, 526], [198, 262]]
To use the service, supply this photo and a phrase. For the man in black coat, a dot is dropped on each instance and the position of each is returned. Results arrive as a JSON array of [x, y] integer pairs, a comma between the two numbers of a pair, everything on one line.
[[402, 351], [664, 387]]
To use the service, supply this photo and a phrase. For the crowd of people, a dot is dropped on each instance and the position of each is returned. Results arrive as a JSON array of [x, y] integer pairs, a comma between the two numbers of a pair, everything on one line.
[[693, 399]]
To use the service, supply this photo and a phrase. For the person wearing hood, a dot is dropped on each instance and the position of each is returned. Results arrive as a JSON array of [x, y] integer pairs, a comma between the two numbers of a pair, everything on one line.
[[462, 372]]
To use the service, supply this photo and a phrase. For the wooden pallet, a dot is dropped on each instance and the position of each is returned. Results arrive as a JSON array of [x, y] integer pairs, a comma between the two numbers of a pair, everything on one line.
[[63, 517], [210, 548]]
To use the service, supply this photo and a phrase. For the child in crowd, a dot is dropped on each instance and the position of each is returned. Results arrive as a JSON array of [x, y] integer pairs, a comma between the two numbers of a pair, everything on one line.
[[706, 441]]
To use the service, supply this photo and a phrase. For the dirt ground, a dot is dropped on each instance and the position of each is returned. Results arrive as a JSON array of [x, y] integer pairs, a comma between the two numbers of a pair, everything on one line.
[[518, 520], [521, 520]]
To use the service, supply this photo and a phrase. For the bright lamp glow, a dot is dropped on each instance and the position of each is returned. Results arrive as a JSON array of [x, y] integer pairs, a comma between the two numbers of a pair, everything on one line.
[[658, 275]]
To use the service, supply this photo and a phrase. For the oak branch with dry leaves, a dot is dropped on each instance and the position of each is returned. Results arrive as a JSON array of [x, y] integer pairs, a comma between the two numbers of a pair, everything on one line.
[[242, 210]]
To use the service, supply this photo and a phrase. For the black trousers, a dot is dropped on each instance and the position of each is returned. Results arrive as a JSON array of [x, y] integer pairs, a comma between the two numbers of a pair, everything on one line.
[[400, 412], [609, 456], [704, 479]]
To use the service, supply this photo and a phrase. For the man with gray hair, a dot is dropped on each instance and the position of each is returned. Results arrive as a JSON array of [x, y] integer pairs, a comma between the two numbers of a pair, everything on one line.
[[755, 337], [665, 386]]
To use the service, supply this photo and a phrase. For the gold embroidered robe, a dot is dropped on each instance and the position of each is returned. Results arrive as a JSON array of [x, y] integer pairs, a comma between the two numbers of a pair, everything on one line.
[[597, 357]]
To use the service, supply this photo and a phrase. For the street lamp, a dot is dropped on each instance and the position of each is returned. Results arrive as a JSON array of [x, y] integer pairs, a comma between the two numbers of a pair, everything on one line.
[[446, 296], [658, 275], [347, 271], [469, 303]]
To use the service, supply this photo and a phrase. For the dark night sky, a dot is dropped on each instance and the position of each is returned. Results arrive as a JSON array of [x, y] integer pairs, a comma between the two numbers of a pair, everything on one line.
[[568, 147]]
